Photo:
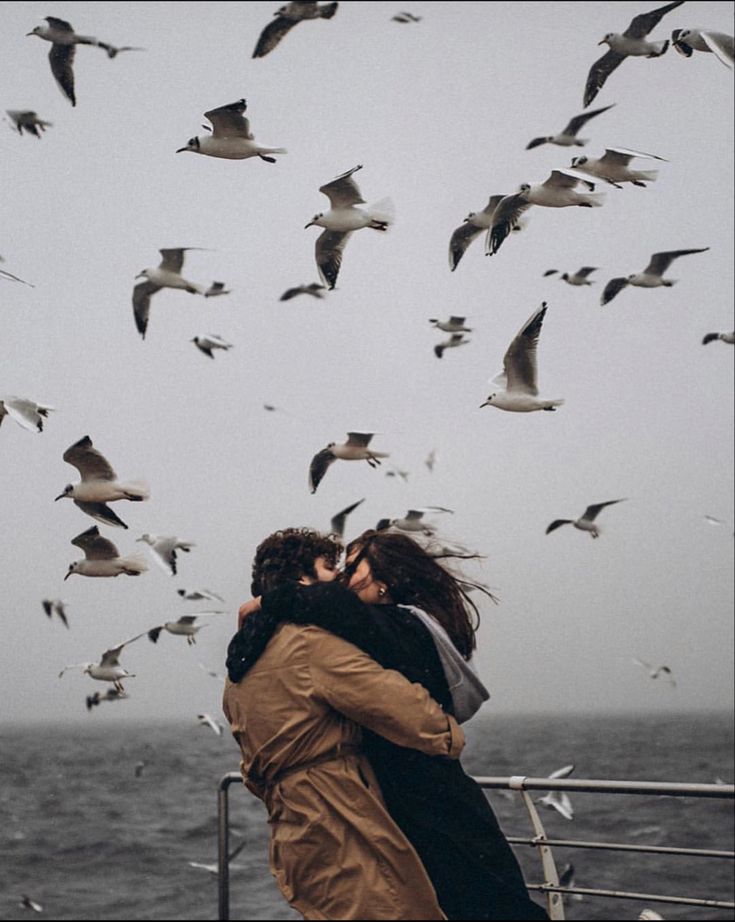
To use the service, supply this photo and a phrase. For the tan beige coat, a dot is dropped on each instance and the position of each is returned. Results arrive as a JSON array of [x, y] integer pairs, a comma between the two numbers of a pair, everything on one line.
[[335, 851]]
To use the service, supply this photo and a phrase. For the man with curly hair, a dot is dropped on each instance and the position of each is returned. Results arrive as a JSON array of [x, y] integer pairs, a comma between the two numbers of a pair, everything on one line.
[[297, 714]]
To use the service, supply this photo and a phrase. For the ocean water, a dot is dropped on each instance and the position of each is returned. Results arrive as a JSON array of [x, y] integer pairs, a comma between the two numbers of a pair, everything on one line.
[[87, 839]]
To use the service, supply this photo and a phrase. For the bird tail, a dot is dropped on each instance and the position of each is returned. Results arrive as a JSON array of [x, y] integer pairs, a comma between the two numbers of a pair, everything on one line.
[[383, 211], [661, 48], [595, 200], [135, 565], [137, 490], [272, 150], [647, 175]]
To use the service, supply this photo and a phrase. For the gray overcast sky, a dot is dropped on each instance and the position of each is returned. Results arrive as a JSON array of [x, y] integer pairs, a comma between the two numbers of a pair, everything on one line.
[[439, 113]]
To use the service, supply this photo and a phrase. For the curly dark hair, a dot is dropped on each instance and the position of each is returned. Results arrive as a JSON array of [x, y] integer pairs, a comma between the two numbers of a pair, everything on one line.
[[414, 577], [289, 554]]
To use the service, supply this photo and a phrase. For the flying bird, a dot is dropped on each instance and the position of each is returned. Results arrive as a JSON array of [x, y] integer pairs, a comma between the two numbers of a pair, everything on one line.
[[108, 669], [337, 524], [456, 339], [164, 548], [687, 41], [559, 800], [453, 325], [216, 289], [27, 413], [585, 522], [112, 694], [405, 18], [99, 484], [649, 915], [613, 166], [27, 903], [230, 138], [206, 721], [568, 137], [8, 276], [214, 868], [342, 219], [186, 626], [398, 472], [286, 18], [413, 520], [474, 224], [194, 595], [580, 277], [314, 289], [102, 558], [55, 607], [631, 42], [354, 449], [430, 460], [655, 671], [651, 277], [61, 57], [728, 337], [207, 344], [26, 120], [557, 191], [166, 275], [518, 380]]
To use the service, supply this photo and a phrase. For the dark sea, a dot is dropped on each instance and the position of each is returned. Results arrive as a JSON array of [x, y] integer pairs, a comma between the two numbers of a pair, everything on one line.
[[86, 838]]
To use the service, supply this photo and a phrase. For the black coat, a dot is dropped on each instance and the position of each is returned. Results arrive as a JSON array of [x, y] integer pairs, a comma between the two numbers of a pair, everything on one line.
[[441, 810]]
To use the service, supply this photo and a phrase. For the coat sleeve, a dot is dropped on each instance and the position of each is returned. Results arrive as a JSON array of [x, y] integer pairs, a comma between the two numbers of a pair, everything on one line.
[[380, 699]]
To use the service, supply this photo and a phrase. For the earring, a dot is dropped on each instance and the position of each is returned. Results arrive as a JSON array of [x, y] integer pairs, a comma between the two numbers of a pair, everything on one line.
[[381, 591]]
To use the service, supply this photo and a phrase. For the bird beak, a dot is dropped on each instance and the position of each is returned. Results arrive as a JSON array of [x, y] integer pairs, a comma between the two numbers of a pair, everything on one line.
[[68, 574], [484, 404], [60, 496], [181, 150], [602, 42], [308, 225]]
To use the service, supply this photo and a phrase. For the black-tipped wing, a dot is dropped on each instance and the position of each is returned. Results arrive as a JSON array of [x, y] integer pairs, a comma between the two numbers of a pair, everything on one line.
[[337, 523], [272, 35], [579, 120], [537, 142], [599, 72], [505, 218], [142, 304], [641, 25], [61, 58], [318, 467], [90, 463], [101, 512], [343, 190], [611, 289], [460, 240], [585, 271], [519, 362], [591, 511], [557, 523], [328, 251], [229, 121], [155, 633], [109, 657], [660, 262]]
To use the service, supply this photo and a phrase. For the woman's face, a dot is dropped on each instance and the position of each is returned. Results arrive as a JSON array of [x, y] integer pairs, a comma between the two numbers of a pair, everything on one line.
[[362, 582]]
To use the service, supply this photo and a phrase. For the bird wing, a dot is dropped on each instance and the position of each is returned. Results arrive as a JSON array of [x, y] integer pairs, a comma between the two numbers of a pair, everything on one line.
[[337, 523], [562, 179], [563, 805], [618, 154], [88, 461], [612, 288], [229, 122], [641, 25], [24, 412], [318, 467], [660, 262], [207, 721], [142, 304], [95, 547], [272, 35], [155, 632], [460, 240], [359, 439], [109, 657], [505, 217], [535, 142], [61, 58], [204, 346], [599, 72], [343, 190], [720, 45], [591, 511], [557, 523], [519, 362], [585, 271], [579, 120], [102, 512], [640, 662], [173, 259], [562, 772], [14, 278], [328, 251]]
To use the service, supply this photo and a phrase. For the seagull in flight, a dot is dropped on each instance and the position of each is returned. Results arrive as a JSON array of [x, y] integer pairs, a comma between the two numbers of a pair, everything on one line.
[[112, 694], [405, 18], [651, 277], [456, 339], [207, 344], [559, 800], [413, 520], [28, 414], [314, 289], [216, 289], [337, 524], [230, 138], [354, 449], [99, 484], [186, 626], [518, 380], [55, 607], [728, 337], [613, 166], [580, 277], [102, 558], [687, 41], [568, 137], [27, 903], [453, 325], [206, 721], [286, 18], [108, 669], [61, 57], [163, 550], [655, 671], [474, 224], [585, 522], [166, 275], [195, 595], [342, 219], [14, 278], [26, 120], [631, 42]]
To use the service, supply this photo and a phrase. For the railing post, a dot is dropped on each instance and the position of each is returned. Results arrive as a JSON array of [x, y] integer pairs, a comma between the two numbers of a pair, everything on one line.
[[554, 901], [223, 849]]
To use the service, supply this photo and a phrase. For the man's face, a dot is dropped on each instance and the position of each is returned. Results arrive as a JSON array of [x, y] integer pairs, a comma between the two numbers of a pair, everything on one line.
[[325, 570]]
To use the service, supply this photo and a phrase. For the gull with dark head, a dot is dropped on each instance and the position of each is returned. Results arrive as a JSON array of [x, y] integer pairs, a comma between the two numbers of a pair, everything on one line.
[[651, 277], [108, 669], [112, 694], [655, 671], [55, 607], [586, 522], [568, 137], [687, 41], [286, 18], [166, 275], [27, 413], [27, 120], [207, 344], [342, 219], [354, 449], [99, 484], [474, 224], [455, 324], [185, 626], [216, 289], [518, 381], [230, 138], [613, 166], [102, 558], [631, 42], [580, 277], [337, 524], [413, 520], [195, 595], [405, 18], [164, 548], [557, 191], [314, 289], [456, 339], [727, 337], [61, 57]]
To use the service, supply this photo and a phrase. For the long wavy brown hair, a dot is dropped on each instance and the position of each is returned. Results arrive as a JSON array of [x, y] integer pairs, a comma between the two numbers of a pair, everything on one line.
[[289, 554], [413, 577]]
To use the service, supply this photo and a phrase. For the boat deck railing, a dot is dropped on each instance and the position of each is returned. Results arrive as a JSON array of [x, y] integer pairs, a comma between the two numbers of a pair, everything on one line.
[[550, 887]]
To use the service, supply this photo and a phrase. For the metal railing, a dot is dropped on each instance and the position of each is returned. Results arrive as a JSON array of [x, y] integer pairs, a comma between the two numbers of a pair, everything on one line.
[[550, 887]]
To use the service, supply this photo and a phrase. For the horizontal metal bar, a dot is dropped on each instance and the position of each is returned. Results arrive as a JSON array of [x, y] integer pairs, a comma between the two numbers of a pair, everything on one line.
[[623, 847], [670, 789], [626, 895]]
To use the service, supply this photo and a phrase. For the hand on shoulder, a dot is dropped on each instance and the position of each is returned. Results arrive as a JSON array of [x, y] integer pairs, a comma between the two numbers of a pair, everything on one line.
[[247, 608]]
